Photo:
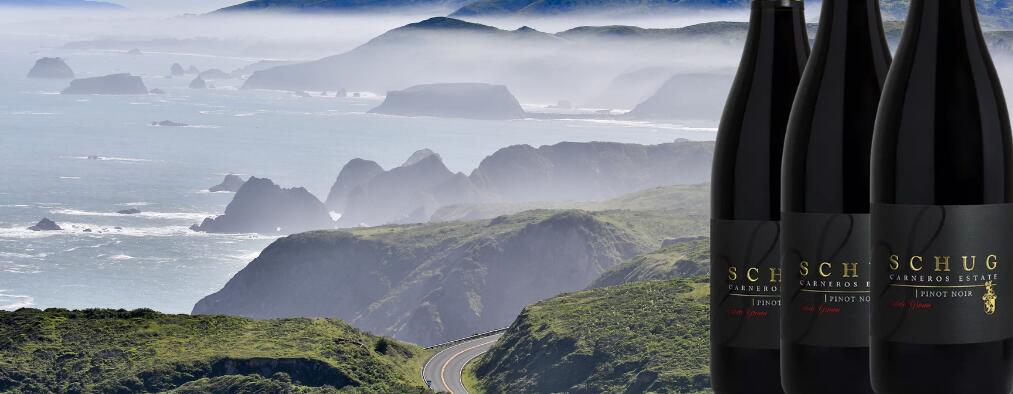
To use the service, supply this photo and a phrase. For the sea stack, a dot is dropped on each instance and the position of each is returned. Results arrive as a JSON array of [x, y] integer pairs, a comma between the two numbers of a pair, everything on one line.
[[231, 183], [198, 83], [454, 100], [115, 84], [177, 70], [262, 207], [51, 68], [45, 225]]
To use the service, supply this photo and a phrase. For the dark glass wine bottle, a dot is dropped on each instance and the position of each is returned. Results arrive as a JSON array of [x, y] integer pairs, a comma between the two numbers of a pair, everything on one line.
[[825, 204], [745, 201], [942, 218]]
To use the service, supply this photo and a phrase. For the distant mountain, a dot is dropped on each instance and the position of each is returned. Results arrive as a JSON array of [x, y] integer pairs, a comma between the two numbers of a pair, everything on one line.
[[512, 177], [556, 7], [531, 63], [645, 337], [318, 6], [432, 283], [60, 3], [143, 351]]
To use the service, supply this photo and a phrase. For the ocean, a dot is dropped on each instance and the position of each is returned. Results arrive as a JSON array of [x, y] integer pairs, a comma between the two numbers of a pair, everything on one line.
[[79, 159]]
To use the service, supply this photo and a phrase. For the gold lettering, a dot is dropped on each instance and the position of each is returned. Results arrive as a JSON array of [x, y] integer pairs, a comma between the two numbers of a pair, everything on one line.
[[775, 275], [751, 274], [850, 270], [732, 275], [824, 265], [894, 262], [991, 262], [973, 260], [911, 262], [804, 268], [944, 262]]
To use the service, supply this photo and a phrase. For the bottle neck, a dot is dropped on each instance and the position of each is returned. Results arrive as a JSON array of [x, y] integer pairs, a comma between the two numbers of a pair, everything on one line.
[[777, 28], [852, 27]]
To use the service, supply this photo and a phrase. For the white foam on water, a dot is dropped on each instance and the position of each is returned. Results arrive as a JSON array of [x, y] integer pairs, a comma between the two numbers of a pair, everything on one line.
[[12, 268], [11, 302], [120, 257], [190, 216], [31, 113], [70, 177], [110, 158]]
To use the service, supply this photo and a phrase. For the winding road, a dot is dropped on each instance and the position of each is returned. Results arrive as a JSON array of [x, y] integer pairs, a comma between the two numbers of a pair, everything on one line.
[[443, 371]]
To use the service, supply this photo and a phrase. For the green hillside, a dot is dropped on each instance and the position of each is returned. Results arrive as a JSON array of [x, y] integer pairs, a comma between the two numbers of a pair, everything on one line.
[[109, 351], [635, 338], [681, 258]]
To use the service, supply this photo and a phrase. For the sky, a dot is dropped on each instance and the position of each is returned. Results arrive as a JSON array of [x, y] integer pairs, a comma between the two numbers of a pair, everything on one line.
[[177, 6]]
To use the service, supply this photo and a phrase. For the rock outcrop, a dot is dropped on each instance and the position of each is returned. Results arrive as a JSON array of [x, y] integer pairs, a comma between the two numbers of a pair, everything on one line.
[[260, 206], [130, 211], [456, 100], [355, 173], [401, 195], [213, 74], [418, 156], [231, 183], [51, 68], [168, 123], [198, 83], [515, 176], [45, 225], [115, 84], [177, 70]]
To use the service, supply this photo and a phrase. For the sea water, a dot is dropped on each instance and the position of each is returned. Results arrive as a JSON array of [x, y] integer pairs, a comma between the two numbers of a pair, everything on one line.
[[79, 159]]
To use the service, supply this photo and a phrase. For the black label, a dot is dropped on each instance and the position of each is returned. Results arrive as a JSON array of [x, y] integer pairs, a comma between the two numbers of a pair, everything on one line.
[[941, 273], [745, 283], [825, 260]]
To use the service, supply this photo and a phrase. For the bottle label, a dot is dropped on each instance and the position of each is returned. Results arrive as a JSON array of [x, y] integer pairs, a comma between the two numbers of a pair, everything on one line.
[[745, 283], [825, 258], [941, 273]]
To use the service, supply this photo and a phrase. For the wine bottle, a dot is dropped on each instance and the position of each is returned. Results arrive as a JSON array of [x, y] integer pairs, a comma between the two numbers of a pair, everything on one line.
[[825, 204], [942, 212], [745, 201]]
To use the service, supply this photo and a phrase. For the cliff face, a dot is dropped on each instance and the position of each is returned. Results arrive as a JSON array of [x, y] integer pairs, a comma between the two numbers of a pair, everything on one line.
[[51, 68], [453, 100], [110, 84], [431, 283], [636, 338], [260, 206]]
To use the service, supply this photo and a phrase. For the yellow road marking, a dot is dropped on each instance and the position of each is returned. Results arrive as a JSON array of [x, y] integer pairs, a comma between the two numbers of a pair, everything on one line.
[[443, 369]]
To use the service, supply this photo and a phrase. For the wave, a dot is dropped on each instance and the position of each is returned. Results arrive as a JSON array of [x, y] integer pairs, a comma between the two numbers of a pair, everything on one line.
[[121, 257], [11, 302], [11, 268], [190, 216], [110, 158], [31, 113], [99, 231]]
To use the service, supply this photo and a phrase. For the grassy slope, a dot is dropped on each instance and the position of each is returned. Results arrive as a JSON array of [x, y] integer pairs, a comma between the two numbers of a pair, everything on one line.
[[681, 260], [145, 351], [640, 337], [692, 200]]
